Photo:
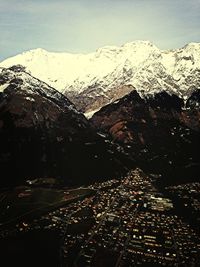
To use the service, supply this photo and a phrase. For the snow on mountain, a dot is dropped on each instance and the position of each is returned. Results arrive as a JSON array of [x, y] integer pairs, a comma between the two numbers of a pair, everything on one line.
[[98, 75], [16, 77]]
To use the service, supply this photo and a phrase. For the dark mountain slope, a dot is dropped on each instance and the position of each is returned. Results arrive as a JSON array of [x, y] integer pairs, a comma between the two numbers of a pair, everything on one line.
[[157, 132], [42, 135]]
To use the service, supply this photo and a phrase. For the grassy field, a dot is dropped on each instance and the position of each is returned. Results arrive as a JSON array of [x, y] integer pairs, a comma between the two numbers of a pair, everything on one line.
[[28, 203]]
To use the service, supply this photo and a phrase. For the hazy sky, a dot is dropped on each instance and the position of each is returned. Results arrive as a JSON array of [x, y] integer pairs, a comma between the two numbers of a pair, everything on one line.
[[85, 25]]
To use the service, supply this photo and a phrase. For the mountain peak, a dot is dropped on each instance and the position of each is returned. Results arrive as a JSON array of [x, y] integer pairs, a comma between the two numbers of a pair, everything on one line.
[[139, 43], [37, 51], [192, 47], [193, 44]]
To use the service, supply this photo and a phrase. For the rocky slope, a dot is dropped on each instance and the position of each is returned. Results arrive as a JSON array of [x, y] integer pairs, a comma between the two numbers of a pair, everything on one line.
[[96, 79], [43, 135], [157, 132]]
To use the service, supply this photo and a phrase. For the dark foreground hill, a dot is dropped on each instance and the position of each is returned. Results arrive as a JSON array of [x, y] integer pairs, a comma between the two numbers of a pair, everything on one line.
[[43, 135]]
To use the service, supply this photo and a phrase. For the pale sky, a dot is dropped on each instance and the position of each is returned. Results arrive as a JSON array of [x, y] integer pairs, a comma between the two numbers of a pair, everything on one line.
[[82, 26]]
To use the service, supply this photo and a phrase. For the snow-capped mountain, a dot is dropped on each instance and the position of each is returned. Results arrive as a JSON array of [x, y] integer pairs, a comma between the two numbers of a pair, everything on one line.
[[95, 79]]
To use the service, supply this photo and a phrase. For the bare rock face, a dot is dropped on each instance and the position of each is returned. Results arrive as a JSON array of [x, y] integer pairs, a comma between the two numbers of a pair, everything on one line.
[[43, 135], [89, 100]]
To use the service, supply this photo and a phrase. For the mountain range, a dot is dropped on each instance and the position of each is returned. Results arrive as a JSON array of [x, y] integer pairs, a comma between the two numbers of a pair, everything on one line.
[[126, 115], [93, 80], [144, 107]]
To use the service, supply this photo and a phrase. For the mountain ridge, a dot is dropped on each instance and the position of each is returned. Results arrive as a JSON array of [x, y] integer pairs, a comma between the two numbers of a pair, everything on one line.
[[43, 135], [96, 77], [157, 132]]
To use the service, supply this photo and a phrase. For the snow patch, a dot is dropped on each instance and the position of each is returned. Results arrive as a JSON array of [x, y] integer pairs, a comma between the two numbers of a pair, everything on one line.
[[89, 114], [3, 87], [30, 99]]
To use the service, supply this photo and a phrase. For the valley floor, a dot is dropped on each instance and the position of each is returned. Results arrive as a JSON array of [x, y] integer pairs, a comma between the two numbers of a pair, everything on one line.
[[126, 222]]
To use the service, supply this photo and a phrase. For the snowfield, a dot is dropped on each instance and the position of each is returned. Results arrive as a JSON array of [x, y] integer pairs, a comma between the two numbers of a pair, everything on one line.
[[140, 64]]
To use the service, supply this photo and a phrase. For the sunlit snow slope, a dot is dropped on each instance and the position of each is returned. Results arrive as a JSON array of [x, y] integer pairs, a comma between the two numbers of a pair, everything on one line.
[[104, 73]]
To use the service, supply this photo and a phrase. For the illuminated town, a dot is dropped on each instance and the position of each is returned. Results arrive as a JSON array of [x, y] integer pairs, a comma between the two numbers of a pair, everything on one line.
[[120, 223]]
